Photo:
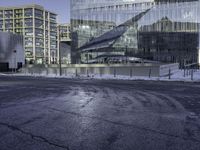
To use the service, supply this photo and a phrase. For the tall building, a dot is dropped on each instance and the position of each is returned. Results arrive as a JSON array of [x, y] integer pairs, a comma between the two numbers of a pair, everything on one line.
[[39, 29], [146, 30]]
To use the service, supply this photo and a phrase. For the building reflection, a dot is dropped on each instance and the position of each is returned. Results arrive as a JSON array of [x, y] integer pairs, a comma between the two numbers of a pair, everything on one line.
[[160, 31]]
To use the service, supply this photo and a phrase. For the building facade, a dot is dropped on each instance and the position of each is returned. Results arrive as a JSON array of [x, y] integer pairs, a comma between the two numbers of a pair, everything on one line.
[[39, 29], [64, 32], [64, 43], [11, 51], [135, 30]]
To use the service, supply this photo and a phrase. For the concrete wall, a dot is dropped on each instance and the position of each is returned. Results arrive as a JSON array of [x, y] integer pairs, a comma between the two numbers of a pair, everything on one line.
[[153, 70]]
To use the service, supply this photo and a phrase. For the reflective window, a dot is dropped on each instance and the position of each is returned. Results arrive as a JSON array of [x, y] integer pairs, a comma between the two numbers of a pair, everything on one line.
[[166, 31]]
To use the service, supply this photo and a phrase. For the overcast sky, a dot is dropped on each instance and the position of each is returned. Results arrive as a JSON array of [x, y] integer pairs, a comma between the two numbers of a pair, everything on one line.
[[60, 7]]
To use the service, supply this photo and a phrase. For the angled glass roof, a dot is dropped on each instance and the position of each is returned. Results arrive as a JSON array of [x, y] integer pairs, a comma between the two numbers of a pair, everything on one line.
[[110, 37]]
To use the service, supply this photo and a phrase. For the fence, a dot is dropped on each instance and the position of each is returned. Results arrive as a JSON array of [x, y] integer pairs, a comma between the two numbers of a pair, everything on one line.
[[145, 70]]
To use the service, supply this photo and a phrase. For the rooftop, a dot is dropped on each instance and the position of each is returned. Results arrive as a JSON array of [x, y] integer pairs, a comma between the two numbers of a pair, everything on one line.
[[26, 6]]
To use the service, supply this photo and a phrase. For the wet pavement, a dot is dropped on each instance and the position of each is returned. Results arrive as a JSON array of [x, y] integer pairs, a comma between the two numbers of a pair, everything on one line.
[[72, 114]]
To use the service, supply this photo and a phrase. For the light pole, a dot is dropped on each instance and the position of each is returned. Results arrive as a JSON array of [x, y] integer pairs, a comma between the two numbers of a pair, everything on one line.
[[126, 54], [60, 61]]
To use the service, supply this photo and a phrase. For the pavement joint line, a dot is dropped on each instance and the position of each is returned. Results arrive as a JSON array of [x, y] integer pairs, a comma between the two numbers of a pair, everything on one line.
[[34, 137], [127, 125]]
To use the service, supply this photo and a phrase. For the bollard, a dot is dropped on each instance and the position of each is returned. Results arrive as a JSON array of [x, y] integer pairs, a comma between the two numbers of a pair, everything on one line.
[[66, 72], [150, 73], [169, 74]]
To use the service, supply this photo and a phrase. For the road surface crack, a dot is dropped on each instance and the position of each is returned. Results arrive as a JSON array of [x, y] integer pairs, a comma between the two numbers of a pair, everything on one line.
[[87, 102], [34, 137]]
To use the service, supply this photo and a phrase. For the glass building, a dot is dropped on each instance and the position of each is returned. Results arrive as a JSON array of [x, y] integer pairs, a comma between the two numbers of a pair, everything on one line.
[[135, 30], [39, 29]]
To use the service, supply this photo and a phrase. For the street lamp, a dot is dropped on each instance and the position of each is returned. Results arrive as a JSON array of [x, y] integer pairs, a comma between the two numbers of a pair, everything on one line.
[[60, 61]]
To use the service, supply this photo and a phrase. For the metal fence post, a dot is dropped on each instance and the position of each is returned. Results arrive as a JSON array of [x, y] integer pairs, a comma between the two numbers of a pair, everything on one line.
[[192, 74], [169, 73], [184, 71], [114, 72], [150, 73], [76, 72]]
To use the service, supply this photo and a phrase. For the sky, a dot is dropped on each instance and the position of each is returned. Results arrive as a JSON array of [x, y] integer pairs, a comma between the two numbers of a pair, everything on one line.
[[60, 7]]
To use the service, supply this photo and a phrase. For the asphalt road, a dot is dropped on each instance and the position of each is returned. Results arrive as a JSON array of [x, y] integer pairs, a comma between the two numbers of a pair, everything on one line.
[[59, 114]]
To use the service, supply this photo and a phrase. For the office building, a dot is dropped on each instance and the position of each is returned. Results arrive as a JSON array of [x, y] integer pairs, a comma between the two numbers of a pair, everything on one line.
[[39, 29], [143, 30], [11, 51]]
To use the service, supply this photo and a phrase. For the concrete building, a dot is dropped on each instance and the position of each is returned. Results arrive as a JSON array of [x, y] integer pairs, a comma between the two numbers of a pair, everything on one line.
[[64, 43], [144, 30], [64, 32], [39, 29], [11, 51]]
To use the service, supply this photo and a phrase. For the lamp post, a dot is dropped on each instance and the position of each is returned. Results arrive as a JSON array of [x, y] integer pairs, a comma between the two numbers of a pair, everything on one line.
[[60, 61], [15, 60]]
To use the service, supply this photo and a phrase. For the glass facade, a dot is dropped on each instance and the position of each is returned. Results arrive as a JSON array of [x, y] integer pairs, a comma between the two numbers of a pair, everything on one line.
[[147, 30]]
